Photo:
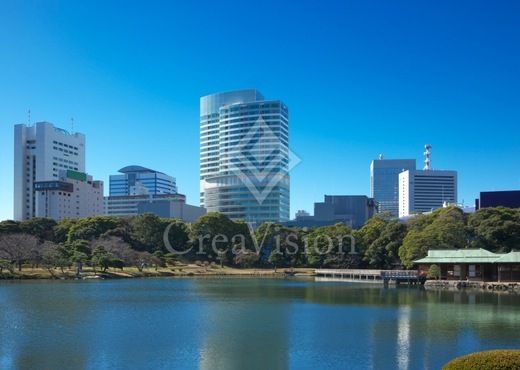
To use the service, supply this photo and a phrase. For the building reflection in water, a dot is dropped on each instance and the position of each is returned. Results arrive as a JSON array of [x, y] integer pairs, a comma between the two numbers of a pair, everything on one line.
[[247, 327], [403, 338]]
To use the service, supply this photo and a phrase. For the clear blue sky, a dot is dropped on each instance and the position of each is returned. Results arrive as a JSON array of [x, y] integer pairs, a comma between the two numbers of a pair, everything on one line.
[[360, 78]]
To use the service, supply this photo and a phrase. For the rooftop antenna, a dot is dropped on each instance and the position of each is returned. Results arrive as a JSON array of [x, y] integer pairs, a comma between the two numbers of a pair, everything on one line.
[[71, 125], [29, 118], [427, 155]]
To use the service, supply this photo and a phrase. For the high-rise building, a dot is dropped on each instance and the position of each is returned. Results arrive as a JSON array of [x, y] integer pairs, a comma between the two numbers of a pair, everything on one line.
[[139, 185], [40, 152], [244, 156], [384, 182], [424, 191], [137, 180]]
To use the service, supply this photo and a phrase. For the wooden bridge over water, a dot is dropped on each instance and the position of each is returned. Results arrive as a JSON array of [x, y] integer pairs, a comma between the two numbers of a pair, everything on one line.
[[370, 275]]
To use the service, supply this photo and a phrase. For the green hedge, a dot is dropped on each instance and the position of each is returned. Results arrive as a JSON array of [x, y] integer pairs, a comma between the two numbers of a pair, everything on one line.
[[501, 359]]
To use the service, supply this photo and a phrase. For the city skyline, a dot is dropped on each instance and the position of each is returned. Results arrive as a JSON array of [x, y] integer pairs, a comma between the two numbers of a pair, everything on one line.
[[360, 80]]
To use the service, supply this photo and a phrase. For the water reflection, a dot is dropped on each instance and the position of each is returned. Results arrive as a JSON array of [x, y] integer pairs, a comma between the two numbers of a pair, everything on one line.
[[247, 323], [403, 338], [27, 320]]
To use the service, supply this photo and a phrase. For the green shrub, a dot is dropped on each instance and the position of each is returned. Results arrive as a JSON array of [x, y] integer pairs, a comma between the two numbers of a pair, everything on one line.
[[434, 272], [500, 359]]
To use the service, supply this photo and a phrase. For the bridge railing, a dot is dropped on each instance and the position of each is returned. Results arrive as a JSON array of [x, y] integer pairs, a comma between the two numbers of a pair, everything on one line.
[[384, 274], [399, 274], [365, 272]]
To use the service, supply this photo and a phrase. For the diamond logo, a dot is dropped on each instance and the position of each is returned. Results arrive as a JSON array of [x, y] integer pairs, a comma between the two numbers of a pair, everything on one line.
[[260, 160]]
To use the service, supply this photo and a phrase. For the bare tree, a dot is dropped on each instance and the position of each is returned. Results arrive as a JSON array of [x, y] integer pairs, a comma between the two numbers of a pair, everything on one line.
[[246, 258], [141, 259], [18, 247], [52, 256], [115, 246]]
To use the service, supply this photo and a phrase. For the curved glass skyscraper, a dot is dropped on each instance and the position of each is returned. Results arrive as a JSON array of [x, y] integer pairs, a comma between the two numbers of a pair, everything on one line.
[[244, 156]]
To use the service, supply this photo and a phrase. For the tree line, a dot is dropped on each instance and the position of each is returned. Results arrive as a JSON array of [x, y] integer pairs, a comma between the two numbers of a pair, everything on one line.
[[104, 242]]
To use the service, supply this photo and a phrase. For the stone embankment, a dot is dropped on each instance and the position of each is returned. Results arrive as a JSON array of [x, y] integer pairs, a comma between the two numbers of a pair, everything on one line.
[[490, 286]]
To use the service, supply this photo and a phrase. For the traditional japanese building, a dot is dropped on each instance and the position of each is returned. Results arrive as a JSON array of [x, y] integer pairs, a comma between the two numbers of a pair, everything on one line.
[[472, 264]]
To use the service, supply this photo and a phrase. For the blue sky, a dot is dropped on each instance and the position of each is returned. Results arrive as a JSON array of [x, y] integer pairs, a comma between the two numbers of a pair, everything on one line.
[[360, 78]]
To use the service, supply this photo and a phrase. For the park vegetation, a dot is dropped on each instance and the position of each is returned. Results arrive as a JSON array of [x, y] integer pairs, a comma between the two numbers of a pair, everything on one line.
[[500, 359], [114, 243]]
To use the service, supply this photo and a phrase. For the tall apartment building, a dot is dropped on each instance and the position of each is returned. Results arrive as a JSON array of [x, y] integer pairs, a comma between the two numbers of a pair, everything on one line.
[[384, 182], [40, 152], [137, 180], [427, 190], [244, 156]]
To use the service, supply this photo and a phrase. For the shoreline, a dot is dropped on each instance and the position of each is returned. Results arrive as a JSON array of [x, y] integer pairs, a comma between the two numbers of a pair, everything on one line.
[[131, 273]]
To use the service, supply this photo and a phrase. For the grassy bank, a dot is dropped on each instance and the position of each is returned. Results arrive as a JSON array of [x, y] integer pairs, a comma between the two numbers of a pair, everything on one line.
[[181, 270]]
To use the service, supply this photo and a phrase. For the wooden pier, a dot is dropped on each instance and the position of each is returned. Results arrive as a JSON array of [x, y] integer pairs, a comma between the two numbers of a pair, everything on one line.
[[370, 275]]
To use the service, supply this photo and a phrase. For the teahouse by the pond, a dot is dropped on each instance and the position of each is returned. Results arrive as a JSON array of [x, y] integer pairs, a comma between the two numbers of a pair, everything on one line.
[[472, 264]]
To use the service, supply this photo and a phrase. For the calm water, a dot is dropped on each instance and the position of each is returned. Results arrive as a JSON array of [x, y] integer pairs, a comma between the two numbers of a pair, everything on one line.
[[246, 324]]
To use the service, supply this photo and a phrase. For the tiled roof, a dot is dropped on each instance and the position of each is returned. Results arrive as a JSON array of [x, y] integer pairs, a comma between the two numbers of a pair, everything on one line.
[[468, 256], [511, 257]]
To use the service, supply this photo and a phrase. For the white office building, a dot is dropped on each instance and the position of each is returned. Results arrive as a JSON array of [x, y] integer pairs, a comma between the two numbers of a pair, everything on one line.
[[40, 152], [425, 191], [244, 156], [73, 195]]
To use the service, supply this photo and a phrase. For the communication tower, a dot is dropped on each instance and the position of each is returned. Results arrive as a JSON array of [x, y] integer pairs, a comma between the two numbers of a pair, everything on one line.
[[427, 157]]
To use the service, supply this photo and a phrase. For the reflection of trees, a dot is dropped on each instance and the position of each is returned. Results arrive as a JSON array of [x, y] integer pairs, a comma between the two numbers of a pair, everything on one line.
[[486, 315], [39, 320], [361, 294], [439, 324], [240, 323]]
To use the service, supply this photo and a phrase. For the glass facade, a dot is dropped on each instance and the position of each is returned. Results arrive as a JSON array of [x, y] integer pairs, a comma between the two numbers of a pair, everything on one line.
[[244, 156], [384, 182], [137, 180]]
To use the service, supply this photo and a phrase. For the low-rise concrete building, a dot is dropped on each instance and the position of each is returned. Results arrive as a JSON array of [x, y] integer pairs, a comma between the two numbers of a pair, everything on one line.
[[510, 199], [128, 205], [73, 195], [173, 209], [351, 210]]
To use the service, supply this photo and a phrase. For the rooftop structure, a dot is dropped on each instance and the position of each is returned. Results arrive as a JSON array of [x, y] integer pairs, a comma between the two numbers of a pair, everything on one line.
[[41, 151], [138, 180]]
